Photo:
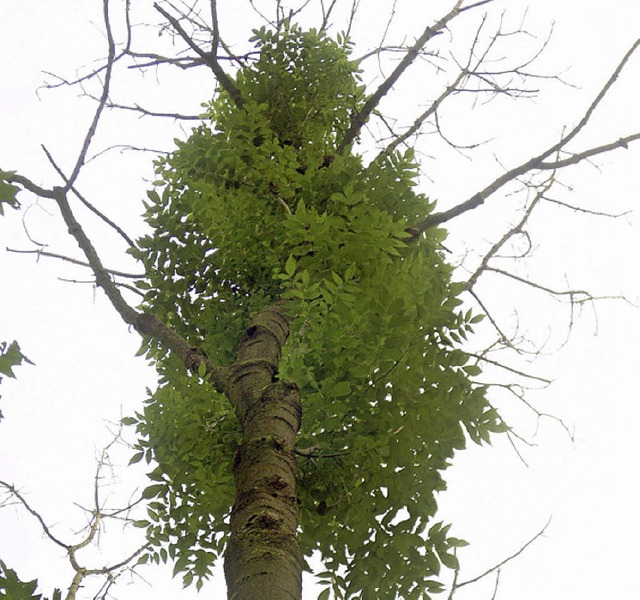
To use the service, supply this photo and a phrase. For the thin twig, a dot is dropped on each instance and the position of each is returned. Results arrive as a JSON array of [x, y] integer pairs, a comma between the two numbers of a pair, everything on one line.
[[102, 102], [75, 261], [506, 560]]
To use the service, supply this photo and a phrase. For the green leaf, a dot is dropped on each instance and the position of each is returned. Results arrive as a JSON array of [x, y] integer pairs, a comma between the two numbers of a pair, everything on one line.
[[8, 191], [202, 369], [341, 389], [12, 587], [154, 490], [449, 561], [136, 458], [141, 523], [376, 324], [290, 266], [10, 357], [472, 370], [324, 594]]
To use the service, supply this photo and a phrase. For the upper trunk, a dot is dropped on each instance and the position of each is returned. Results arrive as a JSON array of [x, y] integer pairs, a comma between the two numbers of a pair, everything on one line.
[[263, 558]]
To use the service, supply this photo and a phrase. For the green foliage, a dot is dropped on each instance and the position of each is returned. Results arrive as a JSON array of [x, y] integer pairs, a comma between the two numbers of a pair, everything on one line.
[[257, 207], [8, 191], [10, 357], [13, 588], [189, 430]]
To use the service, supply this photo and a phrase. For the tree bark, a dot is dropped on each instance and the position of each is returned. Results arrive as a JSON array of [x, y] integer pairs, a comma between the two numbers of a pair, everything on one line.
[[263, 557]]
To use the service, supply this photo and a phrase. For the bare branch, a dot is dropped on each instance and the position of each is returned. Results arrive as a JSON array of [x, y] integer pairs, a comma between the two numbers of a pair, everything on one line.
[[596, 213], [125, 147], [90, 206], [14, 492], [503, 340], [152, 113], [506, 560], [538, 162], [102, 102], [574, 159], [209, 59], [326, 13], [516, 229], [417, 124], [144, 323], [28, 185], [97, 516], [360, 118], [215, 38], [575, 296]]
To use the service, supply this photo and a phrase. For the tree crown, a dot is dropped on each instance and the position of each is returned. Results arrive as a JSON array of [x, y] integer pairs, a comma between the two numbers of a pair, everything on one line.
[[255, 208]]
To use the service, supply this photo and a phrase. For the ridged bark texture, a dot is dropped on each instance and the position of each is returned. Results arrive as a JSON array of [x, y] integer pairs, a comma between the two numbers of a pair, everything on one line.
[[263, 558]]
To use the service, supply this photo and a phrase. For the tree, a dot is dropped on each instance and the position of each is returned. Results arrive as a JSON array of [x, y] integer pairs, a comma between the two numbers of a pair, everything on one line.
[[303, 318]]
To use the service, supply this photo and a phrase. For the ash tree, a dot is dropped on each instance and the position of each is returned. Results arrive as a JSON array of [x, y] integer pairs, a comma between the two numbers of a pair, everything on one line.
[[310, 338]]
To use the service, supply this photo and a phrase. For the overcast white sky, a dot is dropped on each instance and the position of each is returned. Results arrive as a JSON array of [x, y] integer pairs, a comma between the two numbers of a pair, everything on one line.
[[86, 375]]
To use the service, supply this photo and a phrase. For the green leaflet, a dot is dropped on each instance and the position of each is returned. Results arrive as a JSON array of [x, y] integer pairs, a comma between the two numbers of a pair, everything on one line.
[[8, 191], [256, 207], [11, 356], [12, 587]]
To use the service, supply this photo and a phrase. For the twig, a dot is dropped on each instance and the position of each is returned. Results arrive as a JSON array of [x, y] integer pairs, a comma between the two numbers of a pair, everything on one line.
[[152, 113], [13, 491], [75, 261], [510, 369], [102, 102], [506, 560]]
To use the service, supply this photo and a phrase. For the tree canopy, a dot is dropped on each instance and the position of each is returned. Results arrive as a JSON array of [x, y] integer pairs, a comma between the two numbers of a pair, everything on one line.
[[305, 319]]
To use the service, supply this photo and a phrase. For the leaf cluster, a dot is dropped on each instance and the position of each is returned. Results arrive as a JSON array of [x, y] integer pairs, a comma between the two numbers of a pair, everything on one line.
[[10, 356], [191, 433], [8, 191]]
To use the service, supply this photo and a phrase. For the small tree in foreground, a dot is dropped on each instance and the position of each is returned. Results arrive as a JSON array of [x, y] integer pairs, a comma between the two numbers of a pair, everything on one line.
[[306, 327]]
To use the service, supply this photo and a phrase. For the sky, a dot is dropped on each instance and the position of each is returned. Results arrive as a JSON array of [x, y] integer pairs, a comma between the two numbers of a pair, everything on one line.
[[59, 413]]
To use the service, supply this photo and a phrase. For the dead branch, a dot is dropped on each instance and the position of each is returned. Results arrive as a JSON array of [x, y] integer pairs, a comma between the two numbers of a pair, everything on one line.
[[539, 162], [97, 516], [144, 323], [505, 561], [152, 113], [123, 148], [209, 59], [11, 489], [575, 296], [103, 98], [487, 82], [326, 13], [360, 118], [579, 209], [515, 230]]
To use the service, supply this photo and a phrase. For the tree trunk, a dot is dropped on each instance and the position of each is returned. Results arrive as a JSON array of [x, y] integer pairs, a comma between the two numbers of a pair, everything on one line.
[[263, 558]]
